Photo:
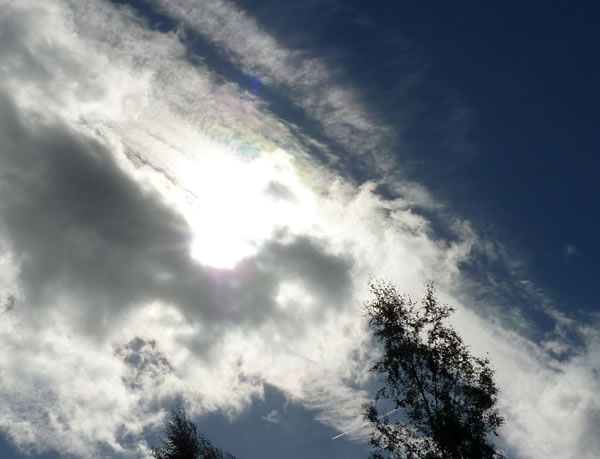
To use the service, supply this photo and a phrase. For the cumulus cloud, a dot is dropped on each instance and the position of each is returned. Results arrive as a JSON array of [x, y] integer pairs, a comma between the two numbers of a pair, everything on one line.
[[124, 164]]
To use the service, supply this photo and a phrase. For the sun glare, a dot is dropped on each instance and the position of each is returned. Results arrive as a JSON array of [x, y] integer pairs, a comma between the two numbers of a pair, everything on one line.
[[238, 203]]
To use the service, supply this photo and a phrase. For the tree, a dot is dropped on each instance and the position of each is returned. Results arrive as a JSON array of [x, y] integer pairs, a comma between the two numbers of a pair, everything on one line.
[[437, 400], [184, 442]]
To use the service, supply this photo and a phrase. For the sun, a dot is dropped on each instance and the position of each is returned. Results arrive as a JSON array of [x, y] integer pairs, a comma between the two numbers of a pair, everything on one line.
[[238, 203]]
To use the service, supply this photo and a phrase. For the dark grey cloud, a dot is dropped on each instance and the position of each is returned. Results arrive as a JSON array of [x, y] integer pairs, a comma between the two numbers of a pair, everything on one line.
[[83, 230], [307, 259], [279, 191], [79, 224], [591, 445]]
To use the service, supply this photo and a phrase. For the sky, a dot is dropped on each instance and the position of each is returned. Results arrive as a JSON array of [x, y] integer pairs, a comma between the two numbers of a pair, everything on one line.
[[195, 194]]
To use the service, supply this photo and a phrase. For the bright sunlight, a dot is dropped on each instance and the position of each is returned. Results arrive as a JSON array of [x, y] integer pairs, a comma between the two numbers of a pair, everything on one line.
[[240, 202]]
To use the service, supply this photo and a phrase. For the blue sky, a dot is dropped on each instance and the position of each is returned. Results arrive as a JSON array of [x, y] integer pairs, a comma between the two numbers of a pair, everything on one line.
[[193, 196]]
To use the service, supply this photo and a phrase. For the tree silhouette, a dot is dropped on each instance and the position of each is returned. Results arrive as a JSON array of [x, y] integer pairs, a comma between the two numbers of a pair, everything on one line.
[[184, 442], [437, 400]]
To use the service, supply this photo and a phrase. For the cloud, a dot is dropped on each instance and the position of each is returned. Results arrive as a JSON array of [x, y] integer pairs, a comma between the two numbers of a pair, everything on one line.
[[146, 364], [568, 252], [548, 394], [307, 80], [102, 229], [272, 417], [119, 154]]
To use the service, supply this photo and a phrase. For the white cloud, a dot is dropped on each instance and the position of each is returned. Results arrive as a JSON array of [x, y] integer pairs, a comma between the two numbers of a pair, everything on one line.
[[307, 79], [103, 124], [273, 417]]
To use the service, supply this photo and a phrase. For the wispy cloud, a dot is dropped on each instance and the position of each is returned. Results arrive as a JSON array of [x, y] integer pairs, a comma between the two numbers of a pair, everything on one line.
[[272, 417], [306, 79], [568, 252]]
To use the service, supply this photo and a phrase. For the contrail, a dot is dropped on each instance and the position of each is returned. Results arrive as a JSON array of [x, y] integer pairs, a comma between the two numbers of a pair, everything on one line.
[[363, 424]]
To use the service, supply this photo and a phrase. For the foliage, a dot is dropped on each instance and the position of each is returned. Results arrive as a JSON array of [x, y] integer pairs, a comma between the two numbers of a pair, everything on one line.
[[442, 399], [184, 442]]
